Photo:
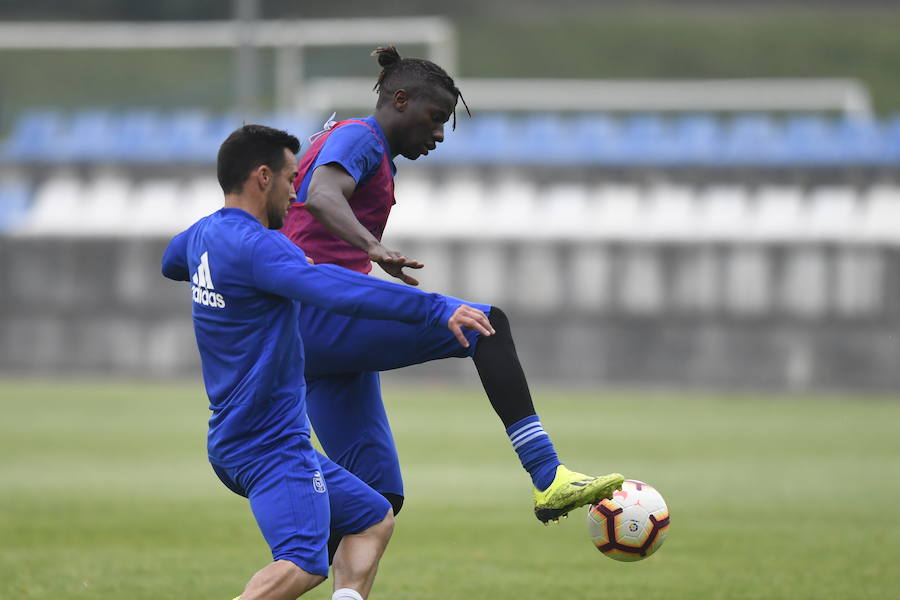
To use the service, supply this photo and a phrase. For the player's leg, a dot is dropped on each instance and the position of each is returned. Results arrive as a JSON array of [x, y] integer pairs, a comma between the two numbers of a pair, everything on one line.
[[364, 521], [381, 345], [357, 557], [348, 416], [279, 580], [557, 490], [337, 344], [289, 501]]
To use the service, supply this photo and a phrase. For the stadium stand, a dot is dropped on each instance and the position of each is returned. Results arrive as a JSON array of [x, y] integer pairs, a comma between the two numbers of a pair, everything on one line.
[[147, 136], [741, 232], [672, 242]]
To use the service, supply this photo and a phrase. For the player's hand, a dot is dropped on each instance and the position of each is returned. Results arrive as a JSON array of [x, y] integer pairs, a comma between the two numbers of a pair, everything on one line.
[[468, 318], [393, 263]]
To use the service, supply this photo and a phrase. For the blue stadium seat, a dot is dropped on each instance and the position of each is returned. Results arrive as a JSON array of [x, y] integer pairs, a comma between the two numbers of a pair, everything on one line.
[[487, 139], [194, 135], [297, 124], [752, 140], [647, 141], [197, 136], [597, 139], [644, 126], [188, 130], [455, 147], [860, 141], [91, 135], [143, 136], [544, 139], [14, 200], [697, 140], [891, 140], [809, 141], [220, 127], [35, 135]]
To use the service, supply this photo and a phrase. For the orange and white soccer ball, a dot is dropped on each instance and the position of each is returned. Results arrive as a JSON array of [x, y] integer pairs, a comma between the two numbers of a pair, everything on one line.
[[631, 526]]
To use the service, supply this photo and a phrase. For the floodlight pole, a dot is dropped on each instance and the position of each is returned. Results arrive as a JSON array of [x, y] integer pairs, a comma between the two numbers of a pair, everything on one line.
[[246, 60], [289, 73]]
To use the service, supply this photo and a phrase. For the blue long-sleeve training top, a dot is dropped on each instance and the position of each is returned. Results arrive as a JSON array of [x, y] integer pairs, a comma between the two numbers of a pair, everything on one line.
[[248, 284]]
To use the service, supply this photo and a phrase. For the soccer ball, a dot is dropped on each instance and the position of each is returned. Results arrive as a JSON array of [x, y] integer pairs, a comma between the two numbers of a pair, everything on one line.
[[631, 526]]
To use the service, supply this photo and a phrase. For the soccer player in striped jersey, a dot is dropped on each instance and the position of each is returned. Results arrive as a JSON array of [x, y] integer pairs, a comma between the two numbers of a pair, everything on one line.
[[345, 191], [249, 286]]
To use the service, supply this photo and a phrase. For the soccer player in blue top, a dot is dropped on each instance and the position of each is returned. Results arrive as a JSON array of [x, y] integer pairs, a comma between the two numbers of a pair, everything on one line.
[[249, 285], [345, 191]]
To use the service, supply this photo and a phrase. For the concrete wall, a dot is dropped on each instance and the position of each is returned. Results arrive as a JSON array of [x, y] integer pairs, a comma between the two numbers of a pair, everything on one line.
[[616, 315]]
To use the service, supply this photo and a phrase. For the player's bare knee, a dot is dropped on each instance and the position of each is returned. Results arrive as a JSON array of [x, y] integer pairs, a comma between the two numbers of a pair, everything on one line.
[[386, 526], [290, 569], [382, 530]]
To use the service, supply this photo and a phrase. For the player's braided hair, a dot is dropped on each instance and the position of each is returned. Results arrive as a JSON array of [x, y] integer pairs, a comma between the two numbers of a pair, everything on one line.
[[414, 75]]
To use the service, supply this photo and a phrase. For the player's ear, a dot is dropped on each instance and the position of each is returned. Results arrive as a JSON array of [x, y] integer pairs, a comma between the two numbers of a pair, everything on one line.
[[263, 176], [401, 100]]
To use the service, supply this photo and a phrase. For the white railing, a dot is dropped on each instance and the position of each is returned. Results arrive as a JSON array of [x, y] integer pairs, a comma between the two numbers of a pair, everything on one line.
[[795, 95]]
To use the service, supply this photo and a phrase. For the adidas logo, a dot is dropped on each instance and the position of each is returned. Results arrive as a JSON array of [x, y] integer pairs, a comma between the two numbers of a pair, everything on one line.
[[203, 291]]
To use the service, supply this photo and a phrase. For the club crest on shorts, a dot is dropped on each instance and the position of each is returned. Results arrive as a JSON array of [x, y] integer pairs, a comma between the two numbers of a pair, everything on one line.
[[318, 482]]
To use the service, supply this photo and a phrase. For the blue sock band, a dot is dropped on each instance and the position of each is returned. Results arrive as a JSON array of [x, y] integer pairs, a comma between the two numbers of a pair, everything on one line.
[[535, 450]]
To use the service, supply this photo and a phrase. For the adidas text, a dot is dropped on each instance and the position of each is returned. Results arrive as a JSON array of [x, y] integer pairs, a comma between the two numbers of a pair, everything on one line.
[[207, 297], [203, 291]]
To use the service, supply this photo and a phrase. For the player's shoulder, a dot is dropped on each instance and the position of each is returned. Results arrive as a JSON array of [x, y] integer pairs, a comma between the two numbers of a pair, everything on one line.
[[273, 250], [232, 228], [235, 220], [274, 241], [355, 131], [358, 126]]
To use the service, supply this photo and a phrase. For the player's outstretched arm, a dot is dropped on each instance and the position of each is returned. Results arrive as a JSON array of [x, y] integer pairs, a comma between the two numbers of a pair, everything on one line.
[[279, 267], [328, 201]]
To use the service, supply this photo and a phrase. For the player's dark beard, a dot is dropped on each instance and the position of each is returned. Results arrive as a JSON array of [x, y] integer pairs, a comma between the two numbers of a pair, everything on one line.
[[275, 215]]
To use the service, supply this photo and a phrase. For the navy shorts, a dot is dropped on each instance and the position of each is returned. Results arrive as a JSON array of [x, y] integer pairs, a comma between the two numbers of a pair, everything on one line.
[[343, 358], [299, 498]]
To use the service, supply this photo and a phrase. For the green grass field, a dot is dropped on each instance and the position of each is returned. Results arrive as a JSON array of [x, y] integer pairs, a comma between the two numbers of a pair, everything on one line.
[[105, 493]]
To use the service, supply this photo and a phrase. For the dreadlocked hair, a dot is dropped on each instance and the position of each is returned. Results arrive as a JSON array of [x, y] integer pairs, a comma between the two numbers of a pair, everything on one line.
[[413, 75]]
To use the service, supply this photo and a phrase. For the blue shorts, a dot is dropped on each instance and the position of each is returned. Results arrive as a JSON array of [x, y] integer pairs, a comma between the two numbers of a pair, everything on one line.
[[299, 498], [343, 358]]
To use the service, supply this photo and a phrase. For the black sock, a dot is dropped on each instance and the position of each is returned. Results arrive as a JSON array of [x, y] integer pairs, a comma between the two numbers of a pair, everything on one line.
[[500, 372]]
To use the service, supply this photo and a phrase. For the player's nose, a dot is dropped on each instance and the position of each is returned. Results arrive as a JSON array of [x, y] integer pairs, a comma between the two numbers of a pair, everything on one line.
[[438, 134]]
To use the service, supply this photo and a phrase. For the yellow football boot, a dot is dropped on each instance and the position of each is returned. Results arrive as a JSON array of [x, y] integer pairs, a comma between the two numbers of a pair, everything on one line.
[[570, 490]]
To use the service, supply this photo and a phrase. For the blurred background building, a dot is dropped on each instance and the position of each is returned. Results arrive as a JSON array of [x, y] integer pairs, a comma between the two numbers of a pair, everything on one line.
[[660, 193]]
